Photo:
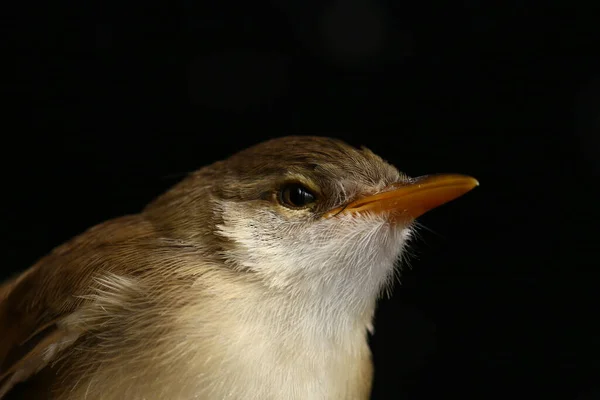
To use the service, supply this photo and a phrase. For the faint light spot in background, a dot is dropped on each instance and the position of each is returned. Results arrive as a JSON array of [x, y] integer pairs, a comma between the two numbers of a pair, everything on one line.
[[237, 80], [353, 30], [588, 120], [348, 33]]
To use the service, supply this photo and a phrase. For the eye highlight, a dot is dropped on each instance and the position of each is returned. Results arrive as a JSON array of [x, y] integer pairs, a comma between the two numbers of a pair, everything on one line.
[[294, 195]]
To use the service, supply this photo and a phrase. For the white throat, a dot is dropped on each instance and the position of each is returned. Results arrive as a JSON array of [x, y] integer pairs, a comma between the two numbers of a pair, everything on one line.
[[332, 269]]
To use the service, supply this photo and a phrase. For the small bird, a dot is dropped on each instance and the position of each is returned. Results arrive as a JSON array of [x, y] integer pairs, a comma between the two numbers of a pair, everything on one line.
[[255, 277]]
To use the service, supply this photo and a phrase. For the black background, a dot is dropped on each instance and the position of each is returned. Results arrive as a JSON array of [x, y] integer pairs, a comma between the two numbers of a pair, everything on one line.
[[107, 105]]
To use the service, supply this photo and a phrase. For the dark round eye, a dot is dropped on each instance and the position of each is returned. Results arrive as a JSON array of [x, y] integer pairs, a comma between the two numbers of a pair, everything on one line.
[[296, 196]]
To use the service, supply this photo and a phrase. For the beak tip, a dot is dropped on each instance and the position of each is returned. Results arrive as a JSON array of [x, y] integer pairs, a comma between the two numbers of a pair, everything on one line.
[[467, 182]]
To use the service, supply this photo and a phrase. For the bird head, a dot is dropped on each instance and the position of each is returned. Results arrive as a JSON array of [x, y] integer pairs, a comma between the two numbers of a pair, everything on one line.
[[307, 215]]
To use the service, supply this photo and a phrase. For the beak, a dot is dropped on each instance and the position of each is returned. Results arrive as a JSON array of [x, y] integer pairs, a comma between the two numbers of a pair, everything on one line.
[[409, 200]]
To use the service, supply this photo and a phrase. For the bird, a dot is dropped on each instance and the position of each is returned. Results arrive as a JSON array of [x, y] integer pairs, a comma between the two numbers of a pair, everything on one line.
[[255, 277]]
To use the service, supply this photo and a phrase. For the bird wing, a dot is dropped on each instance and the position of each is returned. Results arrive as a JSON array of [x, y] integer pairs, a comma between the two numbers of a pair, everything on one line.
[[37, 308], [30, 321]]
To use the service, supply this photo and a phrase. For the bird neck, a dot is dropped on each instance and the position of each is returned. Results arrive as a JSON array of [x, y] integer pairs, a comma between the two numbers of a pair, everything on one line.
[[310, 314]]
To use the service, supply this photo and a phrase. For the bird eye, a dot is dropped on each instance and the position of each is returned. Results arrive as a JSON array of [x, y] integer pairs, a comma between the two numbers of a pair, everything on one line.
[[296, 196]]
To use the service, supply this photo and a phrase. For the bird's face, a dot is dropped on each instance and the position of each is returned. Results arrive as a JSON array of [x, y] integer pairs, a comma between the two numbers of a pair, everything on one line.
[[316, 215], [284, 226]]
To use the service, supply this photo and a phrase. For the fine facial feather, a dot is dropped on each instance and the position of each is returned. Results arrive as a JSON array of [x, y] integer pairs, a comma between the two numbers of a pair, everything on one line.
[[214, 290]]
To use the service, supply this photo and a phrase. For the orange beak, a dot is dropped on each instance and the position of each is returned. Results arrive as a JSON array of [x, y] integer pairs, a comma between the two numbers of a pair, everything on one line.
[[409, 200]]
